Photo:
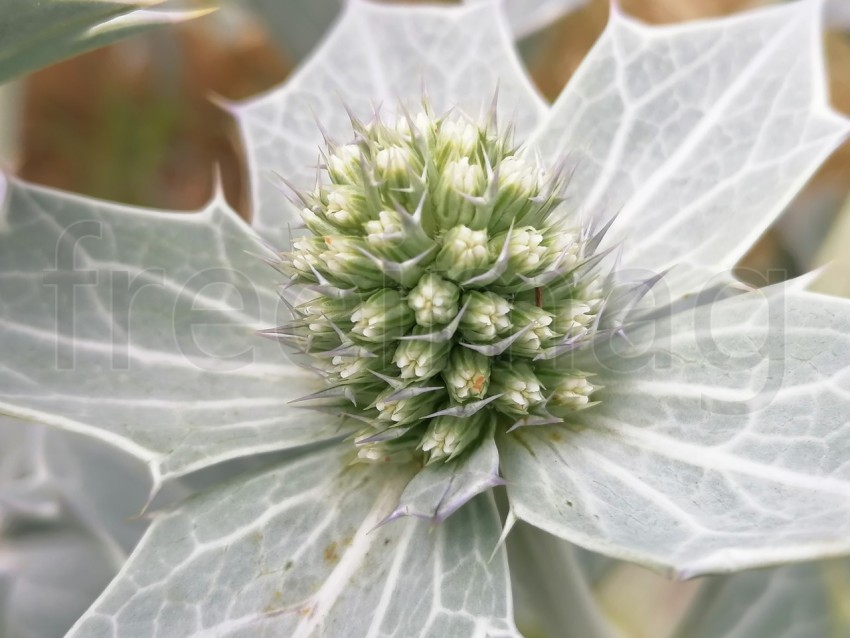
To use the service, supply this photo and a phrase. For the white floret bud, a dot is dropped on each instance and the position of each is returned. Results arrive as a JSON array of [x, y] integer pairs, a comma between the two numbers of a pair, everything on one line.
[[523, 177], [345, 208], [393, 166], [487, 316], [531, 342], [464, 253], [385, 235], [467, 375], [571, 393], [317, 224], [317, 322], [521, 390], [573, 318], [459, 181], [344, 261], [382, 317], [351, 367], [387, 223], [456, 138], [389, 237], [464, 177], [563, 248], [422, 124], [519, 183], [434, 300], [421, 359], [526, 251], [344, 166], [306, 256], [394, 451], [398, 408], [448, 436]]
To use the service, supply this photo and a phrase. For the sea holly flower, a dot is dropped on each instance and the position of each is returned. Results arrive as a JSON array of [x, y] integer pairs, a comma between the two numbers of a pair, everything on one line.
[[692, 436]]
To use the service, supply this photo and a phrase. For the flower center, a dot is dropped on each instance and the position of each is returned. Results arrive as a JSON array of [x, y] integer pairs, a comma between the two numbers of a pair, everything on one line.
[[448, 284]]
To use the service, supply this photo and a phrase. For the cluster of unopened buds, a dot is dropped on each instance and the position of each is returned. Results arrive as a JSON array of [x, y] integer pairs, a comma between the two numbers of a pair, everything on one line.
[[447, 284]]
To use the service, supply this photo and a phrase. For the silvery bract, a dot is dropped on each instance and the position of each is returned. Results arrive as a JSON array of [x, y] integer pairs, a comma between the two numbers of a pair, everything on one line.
[[712, 436]]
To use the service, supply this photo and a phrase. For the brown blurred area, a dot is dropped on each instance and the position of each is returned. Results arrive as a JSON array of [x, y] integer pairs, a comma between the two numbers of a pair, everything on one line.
[[135, 122]]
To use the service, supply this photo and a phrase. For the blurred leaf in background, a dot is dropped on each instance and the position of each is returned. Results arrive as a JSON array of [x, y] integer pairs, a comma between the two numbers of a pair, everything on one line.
[[295, 25], [838, 14], [807, 600], [34, 34], [69, 516]]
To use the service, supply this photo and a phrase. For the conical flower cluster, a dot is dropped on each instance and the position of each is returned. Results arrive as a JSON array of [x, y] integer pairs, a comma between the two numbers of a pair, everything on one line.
[[447, 282]]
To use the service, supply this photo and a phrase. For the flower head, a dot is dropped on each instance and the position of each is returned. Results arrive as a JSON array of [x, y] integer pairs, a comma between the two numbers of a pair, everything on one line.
[[446, 245]]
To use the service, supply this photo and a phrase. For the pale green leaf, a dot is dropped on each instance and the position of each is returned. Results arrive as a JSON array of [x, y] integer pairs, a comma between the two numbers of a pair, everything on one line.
[[36, 33], [104, 491], [551, 588], [138, 328], [378, 55], [295, 552], [52, 575], [722, 445], [695, 136], [76, 516], [802, 601], [439, 489], [72, 479], [25, 487], [68, 502]]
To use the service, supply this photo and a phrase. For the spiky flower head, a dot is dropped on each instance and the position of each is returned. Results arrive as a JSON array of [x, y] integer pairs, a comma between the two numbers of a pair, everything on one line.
[[448, 282]]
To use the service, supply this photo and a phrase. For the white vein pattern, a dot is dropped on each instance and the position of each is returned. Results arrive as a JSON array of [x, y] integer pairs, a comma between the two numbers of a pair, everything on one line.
[[800, 601], [138, 328], [747, 467], [378, 55], [294, 551], [695, 136]]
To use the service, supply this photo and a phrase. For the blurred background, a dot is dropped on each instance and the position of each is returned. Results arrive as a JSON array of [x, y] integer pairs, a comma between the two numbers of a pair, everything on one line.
[[140, 122]]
